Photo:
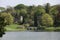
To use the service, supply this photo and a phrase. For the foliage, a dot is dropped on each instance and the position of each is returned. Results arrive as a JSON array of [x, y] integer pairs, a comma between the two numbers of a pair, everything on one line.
[[8, 19], [5, 19], [47, 8], [53, 11], [20, 6], [46, 20]]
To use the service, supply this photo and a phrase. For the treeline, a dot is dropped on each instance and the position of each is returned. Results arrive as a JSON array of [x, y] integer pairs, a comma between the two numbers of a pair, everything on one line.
[[35, 16], [36, 13]]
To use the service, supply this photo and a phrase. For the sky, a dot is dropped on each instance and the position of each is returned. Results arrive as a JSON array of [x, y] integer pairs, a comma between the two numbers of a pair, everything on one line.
[[5, 3]]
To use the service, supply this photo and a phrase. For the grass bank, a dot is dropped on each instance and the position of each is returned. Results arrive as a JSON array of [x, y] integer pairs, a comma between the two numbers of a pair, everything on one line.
[[14, 27]]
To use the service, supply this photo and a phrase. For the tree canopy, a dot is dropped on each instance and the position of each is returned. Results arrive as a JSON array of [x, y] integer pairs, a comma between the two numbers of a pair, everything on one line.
[[47, 20]]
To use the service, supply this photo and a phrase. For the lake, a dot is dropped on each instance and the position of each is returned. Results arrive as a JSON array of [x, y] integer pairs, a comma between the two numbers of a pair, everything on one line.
[[31, 36]]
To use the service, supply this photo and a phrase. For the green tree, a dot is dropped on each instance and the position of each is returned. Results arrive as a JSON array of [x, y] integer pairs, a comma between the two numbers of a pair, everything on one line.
[[47, 8], [38, 13], [8, 18], [31, 10], [47, 20], [20, 6], [5, 19], [21, 13], [53, 11], [21, 10], [57, 22]]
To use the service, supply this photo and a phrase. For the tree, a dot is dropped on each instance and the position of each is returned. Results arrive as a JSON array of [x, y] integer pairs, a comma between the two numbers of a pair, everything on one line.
[[53, 11], [30, 16], [21, 10], [57, 22], [20, 6], [31, 10], [38, 13], [47, 8], [22, 13], [8, 18], [5, 19], [47, 20]]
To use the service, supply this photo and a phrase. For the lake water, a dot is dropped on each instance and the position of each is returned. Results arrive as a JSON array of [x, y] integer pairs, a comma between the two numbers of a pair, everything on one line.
[[31, 36]]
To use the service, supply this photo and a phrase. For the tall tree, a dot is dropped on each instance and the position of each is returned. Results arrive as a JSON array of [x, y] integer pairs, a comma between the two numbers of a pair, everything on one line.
[[55, 11], [31, 11], [38, 13], [47, 8], [21, 10]]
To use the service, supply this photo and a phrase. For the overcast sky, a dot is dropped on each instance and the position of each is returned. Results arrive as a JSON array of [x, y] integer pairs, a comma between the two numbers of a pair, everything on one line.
[[5, 3]]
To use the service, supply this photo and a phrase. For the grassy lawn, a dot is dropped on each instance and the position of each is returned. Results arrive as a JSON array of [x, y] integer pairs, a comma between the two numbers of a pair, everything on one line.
[[13, 27], [16, 27]]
